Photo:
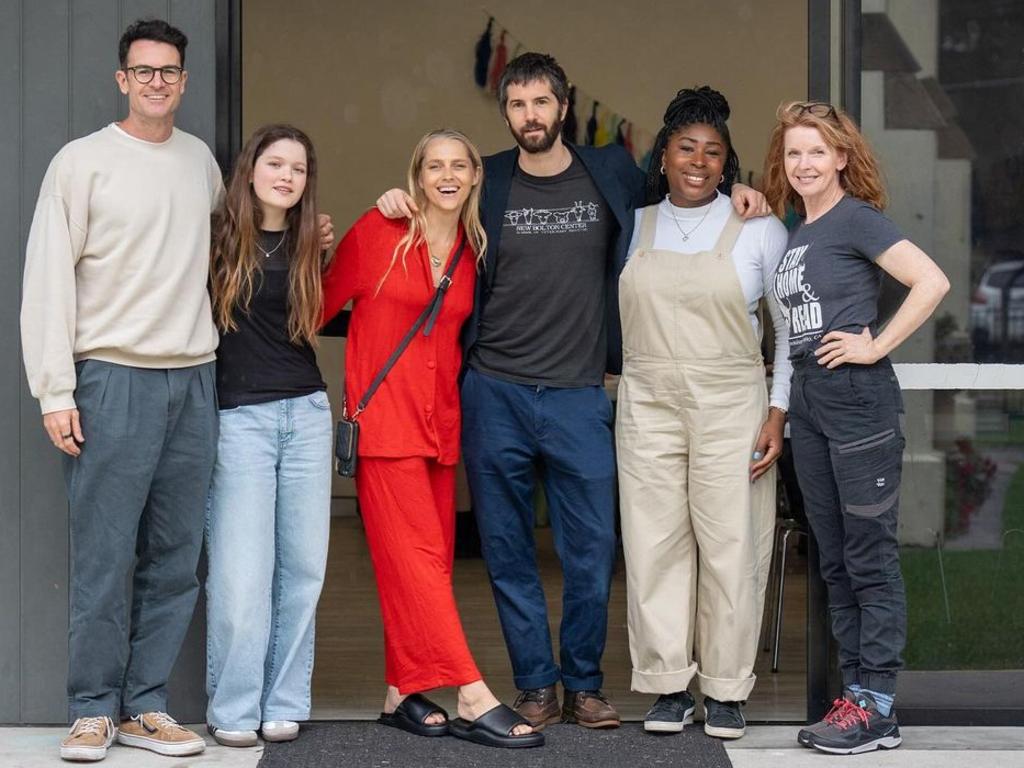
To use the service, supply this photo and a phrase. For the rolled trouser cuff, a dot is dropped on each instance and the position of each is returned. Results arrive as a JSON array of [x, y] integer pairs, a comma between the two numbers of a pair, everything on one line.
[[663, 682], [880, 682], [727, 689]]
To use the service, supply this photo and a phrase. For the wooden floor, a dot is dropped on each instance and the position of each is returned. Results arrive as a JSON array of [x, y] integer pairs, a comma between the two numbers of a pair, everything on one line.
[[349, 672]]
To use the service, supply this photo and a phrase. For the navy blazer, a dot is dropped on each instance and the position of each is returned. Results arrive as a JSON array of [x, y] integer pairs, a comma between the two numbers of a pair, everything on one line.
[[621, 184]]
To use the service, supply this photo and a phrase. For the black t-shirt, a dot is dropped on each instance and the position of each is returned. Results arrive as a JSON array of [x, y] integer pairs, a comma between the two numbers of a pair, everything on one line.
[[828, 281], [258, 363], [544, 320]]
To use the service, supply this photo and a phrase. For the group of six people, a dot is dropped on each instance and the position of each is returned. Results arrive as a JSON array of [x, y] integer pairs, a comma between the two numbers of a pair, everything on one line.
[[546, 267]]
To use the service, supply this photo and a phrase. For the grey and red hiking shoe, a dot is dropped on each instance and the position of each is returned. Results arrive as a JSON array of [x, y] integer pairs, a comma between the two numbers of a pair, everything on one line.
[[835, 713], [861, 728]]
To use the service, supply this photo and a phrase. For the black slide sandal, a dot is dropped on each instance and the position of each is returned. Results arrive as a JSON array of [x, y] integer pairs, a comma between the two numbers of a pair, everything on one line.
[[410, 714], [494, 729]]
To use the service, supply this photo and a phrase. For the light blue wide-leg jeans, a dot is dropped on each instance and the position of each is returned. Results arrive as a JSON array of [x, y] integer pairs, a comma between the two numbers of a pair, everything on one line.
[[267, 529]]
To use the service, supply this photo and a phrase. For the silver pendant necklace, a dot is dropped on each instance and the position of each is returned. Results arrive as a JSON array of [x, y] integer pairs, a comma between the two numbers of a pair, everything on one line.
[[684, 233], [268, 254], [435, 261]]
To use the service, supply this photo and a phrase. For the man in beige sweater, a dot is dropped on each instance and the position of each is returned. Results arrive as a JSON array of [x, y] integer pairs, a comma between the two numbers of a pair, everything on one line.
[[119, 345]]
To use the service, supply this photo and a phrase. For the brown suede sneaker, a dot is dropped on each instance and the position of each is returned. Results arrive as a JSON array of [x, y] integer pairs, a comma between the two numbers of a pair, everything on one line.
[[538, 706], [88, 739], [159, 732], [591, 709]]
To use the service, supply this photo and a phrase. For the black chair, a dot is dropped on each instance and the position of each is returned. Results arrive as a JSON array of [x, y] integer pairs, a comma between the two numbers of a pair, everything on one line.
[[790, 521]]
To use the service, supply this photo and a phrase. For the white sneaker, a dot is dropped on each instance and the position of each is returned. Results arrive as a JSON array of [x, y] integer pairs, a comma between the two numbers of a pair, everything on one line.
[[88, 739], [279, 730], [233, 738]]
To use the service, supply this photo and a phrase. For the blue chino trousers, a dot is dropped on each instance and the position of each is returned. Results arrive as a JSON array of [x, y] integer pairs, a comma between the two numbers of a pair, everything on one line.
[[508, 431]]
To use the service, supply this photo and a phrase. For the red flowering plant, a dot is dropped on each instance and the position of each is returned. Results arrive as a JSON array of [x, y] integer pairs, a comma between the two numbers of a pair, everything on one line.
[[969, 477]]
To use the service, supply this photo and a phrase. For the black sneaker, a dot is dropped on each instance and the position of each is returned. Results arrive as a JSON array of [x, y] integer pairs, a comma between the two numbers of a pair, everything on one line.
[[723, 719], [862, 728], [839, 707], [671, 711]]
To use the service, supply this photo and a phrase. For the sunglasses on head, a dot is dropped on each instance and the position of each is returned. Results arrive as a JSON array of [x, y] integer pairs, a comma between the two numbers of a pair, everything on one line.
[[816, 108]]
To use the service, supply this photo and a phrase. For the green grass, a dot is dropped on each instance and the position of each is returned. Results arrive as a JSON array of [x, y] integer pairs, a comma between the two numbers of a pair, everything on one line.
[[986, 600], [1013, 435]]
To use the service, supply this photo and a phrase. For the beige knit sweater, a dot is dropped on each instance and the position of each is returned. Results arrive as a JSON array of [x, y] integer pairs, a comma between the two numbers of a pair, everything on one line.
[[117, 260]]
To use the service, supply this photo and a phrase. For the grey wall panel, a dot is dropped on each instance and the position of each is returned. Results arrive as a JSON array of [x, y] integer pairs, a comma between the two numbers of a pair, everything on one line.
[[10, 366], [198, 113], [44, 557], [145, 9], [95, 28]]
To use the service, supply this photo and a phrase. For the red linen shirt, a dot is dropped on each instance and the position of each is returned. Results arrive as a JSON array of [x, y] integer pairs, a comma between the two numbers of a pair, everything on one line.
[[415, 411]]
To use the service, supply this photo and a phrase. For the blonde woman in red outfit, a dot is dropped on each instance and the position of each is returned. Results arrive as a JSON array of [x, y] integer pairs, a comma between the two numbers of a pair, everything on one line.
[[409, 435]]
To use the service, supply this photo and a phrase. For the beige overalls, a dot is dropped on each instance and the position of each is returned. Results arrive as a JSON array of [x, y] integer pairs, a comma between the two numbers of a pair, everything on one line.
[[697, 534]]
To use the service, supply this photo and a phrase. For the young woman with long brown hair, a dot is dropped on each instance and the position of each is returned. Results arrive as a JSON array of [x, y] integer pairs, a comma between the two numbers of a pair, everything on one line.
[[409, 434], [269, 507], [845, 401]]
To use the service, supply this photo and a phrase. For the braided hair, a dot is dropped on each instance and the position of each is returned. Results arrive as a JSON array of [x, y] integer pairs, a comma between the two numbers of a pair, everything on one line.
[[691, 106]]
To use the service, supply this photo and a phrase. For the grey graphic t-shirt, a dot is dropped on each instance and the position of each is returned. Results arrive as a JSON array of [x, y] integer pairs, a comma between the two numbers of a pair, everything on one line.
[[828, 281], [544, 321]]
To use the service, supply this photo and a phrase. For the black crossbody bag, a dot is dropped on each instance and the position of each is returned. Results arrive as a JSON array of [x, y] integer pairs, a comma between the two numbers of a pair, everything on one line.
[[346, 438]]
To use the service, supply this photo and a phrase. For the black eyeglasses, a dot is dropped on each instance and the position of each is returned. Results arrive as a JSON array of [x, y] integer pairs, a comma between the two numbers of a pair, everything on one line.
[[143, 74], [816, 108]]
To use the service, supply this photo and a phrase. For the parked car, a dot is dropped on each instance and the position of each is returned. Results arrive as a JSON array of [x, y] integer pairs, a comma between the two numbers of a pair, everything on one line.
[[1002, 279]]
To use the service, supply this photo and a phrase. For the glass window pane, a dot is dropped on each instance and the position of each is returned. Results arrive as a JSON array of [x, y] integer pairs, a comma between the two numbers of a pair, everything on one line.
[[962, 536], [943, 106]]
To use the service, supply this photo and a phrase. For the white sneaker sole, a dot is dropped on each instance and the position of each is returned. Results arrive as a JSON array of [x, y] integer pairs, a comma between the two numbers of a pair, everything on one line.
[[886, 742], [170, 749], [234, 738], [83, 754], [669, 726], [724, 733], [279, 734]]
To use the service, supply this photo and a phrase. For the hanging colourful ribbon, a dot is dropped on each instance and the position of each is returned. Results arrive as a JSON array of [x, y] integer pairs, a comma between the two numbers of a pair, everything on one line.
[[571, 126], [500, 60], [592, 126], [483, 55]]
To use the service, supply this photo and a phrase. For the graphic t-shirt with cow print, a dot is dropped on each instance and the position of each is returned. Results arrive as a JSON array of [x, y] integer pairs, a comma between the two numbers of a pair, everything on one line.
[[544, 320]]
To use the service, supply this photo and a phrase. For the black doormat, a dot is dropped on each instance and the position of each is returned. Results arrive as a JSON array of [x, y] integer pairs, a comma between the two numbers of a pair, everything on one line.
[[369, 745]]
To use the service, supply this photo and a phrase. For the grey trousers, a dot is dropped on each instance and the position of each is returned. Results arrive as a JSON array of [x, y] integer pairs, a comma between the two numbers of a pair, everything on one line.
[[137, 499], [848, 453]]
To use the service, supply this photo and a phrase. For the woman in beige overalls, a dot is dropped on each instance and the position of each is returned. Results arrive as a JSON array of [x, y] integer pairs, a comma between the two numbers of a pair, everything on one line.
[[695, 433]]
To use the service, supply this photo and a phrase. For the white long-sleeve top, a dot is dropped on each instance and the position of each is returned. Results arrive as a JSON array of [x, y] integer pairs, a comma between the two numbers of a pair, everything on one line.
[[117, 260], [756, 255]]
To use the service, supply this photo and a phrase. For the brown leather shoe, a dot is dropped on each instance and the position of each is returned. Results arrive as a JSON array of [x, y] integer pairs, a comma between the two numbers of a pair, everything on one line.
[[591, 709], [538, 706]]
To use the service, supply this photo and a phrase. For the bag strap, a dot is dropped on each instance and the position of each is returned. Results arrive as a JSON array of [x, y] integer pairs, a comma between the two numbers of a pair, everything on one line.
[[428, 316]]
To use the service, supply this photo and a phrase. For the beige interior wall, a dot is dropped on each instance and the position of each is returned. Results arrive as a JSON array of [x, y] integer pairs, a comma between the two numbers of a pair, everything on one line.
[[366, 80]]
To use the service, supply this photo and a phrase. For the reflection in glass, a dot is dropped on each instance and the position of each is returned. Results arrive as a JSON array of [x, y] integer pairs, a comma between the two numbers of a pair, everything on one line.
[[943, 104], [963, 553]]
